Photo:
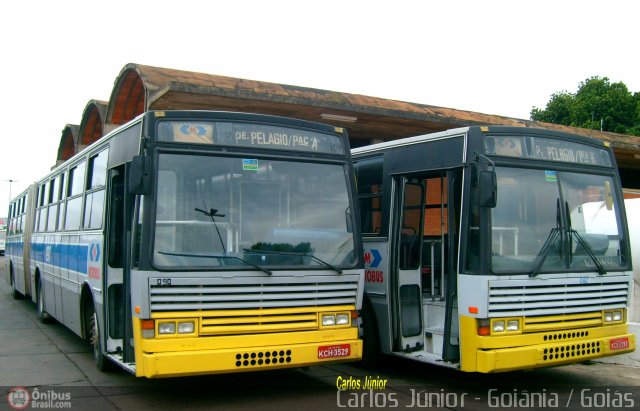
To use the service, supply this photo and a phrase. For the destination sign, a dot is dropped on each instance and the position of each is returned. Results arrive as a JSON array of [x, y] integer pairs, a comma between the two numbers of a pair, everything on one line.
[[249, 135], [542, 148]]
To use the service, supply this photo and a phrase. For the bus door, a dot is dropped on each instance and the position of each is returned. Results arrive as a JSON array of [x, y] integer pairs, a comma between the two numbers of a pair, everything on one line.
[[439, 268], [407, 229], [117, 295]]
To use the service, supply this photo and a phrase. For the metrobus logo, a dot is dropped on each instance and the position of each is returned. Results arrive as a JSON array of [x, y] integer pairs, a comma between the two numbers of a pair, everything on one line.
[[94, 252], [372, 258], [94, 257]]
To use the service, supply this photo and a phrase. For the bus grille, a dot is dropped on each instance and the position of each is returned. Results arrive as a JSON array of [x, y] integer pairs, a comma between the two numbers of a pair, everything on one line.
[[557, 296], [190, 294], [262, 320]]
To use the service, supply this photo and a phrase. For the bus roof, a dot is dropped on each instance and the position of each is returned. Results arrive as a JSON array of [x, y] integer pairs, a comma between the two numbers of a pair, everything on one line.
[[463, 130]]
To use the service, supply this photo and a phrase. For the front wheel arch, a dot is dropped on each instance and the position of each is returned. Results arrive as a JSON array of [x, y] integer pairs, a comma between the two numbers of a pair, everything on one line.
[[17, 295], [43, 315], [93, 336], [371, 339]]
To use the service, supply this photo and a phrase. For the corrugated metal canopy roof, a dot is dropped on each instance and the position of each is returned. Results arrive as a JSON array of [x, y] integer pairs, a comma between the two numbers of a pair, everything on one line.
[[140, 87]]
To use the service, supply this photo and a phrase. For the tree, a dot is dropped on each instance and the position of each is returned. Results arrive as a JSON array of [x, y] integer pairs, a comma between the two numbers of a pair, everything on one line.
[[598, 104], [558, 109]]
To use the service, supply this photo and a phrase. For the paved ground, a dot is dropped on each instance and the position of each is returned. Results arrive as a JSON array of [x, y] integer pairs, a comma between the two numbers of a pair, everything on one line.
[[54, 365]]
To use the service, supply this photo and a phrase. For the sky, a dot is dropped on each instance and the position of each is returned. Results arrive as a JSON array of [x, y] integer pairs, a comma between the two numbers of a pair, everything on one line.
[[490, 56]]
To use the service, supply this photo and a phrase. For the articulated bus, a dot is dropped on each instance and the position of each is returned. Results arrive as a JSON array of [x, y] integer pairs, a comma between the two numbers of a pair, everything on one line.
[[492, 249], [196, 242]]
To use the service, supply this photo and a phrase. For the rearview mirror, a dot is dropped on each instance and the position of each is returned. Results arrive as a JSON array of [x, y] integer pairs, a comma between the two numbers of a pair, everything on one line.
[[608, 196], [488, 192]]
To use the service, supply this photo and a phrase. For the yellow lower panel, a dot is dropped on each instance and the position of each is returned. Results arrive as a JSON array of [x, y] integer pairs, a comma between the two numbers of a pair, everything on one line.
[[509, 359], [225, 354], [485, 354], [241, 360]]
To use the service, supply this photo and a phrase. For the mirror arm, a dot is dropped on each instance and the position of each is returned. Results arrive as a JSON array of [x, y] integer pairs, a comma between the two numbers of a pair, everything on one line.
[[479, 156]]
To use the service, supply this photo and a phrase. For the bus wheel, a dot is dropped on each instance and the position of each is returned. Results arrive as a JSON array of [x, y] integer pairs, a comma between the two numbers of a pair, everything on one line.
[[16, 294], [102, 362], [43, 316]]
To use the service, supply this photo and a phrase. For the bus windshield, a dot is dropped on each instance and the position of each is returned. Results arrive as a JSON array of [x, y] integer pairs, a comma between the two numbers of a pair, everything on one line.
[[251, 212], [552, 221]]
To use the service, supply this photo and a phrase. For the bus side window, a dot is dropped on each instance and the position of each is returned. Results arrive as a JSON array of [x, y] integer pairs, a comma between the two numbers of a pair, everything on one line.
[[61, 197], [116, 220], [53, 204], [74, 197], [411, 230], [42, 204], [94, 199], [369, 182], [472, 249]]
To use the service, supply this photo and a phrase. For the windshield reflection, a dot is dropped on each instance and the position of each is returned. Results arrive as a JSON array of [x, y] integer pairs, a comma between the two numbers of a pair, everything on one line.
[[251, 212], [575, 215]]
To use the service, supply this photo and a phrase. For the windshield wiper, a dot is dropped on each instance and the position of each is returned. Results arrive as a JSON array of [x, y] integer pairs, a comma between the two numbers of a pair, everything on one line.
[[326, 264], [544, 251], [257, 267], [583, 243], [213, 213], [551, 238], [589, 251]]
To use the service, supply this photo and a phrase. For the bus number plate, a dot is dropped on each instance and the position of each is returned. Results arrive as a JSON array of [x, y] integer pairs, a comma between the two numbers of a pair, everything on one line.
[[334, 351], [619, 343]]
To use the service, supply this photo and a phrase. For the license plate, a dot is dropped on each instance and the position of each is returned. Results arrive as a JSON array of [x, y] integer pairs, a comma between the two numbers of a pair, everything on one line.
[[334, 351], [619, 343]]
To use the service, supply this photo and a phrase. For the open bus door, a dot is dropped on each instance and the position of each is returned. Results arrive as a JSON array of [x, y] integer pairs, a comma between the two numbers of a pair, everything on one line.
[[439, 263], [118, 329], [424, 265], [407, 229]]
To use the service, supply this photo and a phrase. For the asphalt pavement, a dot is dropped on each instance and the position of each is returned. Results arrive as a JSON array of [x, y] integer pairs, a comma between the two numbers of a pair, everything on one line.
[[46, 366]]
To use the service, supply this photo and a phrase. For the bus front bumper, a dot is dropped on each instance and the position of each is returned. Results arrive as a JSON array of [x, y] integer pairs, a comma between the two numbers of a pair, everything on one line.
[[173, 357], [551, 354]]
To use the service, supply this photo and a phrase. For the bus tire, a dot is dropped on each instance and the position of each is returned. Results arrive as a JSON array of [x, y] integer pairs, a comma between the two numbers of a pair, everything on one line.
[[43, 315], [17, 295], [371, 339], [93, 333]]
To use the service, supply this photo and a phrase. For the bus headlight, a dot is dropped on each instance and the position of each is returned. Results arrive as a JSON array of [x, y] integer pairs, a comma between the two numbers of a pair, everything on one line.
[[613, 316], [500, 326], [513, 325], [187, 327], [617, 316], [339, 319], [167, 328], [342, 319], [328, 319]]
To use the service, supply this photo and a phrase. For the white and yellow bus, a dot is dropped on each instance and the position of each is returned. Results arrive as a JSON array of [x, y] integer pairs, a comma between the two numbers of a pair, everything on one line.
[[493, 249], [195, 242]]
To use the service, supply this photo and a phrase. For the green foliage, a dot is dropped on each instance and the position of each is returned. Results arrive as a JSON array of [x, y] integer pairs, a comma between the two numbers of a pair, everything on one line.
[[303, 248], [598, 104], [558, 110]]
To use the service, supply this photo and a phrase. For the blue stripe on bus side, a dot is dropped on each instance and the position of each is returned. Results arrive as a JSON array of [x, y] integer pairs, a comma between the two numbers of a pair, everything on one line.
[[14, 248], [68, 256]]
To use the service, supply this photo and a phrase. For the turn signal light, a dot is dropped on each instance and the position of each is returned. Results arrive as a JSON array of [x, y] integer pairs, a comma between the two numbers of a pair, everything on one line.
[[483, 327]]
